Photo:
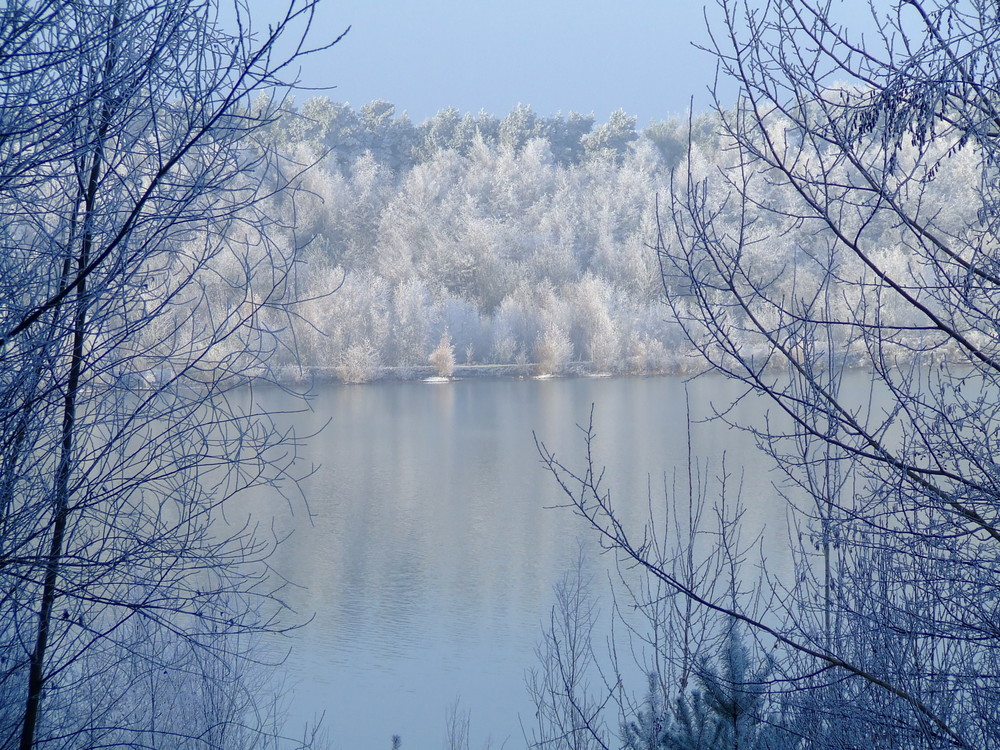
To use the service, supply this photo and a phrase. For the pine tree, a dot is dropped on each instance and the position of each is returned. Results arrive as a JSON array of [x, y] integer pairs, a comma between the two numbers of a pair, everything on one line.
[[727, 712]]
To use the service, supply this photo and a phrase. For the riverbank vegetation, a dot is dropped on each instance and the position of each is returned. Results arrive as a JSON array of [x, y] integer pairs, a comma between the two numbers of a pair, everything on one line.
[[523, 238], [530, 240]]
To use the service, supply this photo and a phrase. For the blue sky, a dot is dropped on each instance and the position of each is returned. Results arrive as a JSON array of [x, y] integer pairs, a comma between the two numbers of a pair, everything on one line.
[[555, 55]]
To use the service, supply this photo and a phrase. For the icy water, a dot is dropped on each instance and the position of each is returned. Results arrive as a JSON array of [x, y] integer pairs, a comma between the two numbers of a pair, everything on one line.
[[429, 562]]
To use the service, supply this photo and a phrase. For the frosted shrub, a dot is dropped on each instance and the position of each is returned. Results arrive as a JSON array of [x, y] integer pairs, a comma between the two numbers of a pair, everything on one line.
[[360, 364], [646, 355], [553, 350], [442, 359]]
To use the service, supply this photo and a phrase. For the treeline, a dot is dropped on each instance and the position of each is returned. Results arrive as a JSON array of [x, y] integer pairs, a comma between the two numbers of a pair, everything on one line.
[[522, 240]]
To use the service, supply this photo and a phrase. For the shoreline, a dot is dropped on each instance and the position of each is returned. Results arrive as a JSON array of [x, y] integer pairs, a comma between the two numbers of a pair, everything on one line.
[[429, 374]]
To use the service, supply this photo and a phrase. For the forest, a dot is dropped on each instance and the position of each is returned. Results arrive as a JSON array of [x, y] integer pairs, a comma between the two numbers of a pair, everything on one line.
[[525, 240], [176, 229], [518, 241]]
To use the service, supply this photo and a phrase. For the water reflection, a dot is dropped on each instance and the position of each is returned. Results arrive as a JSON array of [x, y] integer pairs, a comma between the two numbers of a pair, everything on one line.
[[430, 557]]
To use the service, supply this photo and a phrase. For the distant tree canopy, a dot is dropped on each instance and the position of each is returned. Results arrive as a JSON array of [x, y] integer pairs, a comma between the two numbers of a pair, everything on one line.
[[526, 237], [327, 127]]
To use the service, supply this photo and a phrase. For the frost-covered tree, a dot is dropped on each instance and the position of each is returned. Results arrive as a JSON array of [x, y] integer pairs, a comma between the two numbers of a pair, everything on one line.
[[726, 709], [440, 132], [442, 359], [564, 687], [139, 286], [566, 136], [394, 138], [819, 270], [410, 325], [473, 219], [612, 139], [597, 336], [520, 126]]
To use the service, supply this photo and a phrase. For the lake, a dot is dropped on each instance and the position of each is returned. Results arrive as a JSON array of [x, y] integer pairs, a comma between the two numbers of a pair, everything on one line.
[[429, 562]]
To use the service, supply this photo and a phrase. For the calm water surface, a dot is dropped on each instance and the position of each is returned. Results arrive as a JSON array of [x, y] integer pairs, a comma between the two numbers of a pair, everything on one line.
[[433, 548]]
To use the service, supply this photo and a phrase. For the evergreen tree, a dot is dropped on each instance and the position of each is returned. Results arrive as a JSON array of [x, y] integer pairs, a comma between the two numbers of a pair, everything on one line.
[[728, 710]]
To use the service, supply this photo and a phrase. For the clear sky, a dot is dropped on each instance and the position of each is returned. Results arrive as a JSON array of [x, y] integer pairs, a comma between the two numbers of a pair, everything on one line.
[[555, 55]]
